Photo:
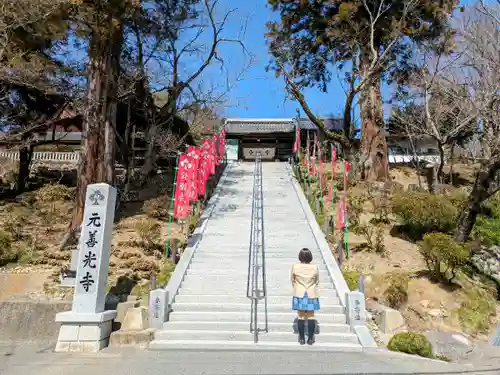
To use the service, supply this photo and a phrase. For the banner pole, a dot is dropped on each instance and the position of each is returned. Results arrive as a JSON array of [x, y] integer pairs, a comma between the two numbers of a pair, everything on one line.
[[172, 203], [333, 190], [346, 235]]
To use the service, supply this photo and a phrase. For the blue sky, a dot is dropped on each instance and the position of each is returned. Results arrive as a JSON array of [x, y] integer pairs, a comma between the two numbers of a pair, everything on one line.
[[261, 94]]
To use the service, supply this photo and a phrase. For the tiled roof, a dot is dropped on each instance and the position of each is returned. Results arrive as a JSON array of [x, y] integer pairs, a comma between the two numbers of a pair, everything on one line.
[[331, 123], [243, 126], [306, 124]]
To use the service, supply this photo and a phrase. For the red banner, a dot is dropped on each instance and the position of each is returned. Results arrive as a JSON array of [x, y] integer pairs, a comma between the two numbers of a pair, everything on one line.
[[296, 145], [194, 155], [222, 145], [204, 171], [314, 146], [341, 223], [216, 150], [321, 170], [203, 175], [207, 152], [185, 175], [212, 156], [347, 168], [334, 160]]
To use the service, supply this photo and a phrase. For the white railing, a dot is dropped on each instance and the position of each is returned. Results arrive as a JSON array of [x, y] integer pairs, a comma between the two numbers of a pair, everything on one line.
[[44, 156], [75, 157], [406, 159]]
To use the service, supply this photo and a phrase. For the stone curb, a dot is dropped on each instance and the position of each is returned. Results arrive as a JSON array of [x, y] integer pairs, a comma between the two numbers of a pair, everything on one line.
[[194, 240], [387, 352], [331, 264], [365, 338]]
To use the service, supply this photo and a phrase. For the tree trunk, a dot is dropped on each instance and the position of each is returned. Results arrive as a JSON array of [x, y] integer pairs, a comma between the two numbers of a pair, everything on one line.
[[25, 155], [373, 143], [485, 185], [452, 154], [150, 155], [126, 152], [97, 159], [113, 81], [440, 167]]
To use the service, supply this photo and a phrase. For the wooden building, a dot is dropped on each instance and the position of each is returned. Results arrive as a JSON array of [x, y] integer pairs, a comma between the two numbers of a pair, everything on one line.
[[273, 138]]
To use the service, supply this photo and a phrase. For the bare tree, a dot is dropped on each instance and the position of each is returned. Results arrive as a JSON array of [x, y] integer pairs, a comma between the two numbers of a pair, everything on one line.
[[480, 34], [183, 87], [439, 105], [369, 39]]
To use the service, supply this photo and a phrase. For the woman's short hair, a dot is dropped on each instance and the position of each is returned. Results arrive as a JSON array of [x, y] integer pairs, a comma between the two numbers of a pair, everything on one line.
[[305, 255]]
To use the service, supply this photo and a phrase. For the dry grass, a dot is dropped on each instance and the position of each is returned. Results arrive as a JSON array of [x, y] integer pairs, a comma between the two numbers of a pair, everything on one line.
[[37, 222]]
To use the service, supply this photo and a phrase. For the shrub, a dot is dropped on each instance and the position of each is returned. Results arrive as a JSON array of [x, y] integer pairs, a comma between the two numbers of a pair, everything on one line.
[[193, 221], [14, 225], [355, 205], [351, 278], [166, 270], [439, 249], [411, 343], [422, 213], [162, 278], [381, 205], [487, 227], [7, 251], [374, 236], [157, 207], [54, 193], [30, 250], [396, 294], [149, 233], [8, 172], [476, 311], [487, 230]]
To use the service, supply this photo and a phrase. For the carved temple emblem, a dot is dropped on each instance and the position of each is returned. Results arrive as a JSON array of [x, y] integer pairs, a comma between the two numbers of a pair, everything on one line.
[[96, 197]]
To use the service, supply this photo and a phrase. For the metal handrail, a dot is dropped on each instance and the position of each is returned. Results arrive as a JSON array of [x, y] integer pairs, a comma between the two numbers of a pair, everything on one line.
[[256, 254]]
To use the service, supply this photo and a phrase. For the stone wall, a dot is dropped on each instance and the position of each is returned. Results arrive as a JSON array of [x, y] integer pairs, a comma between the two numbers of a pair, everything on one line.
[[30, 321], [488, 262]]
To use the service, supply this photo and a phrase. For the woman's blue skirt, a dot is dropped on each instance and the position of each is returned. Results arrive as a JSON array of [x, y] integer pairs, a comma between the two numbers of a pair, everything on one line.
[[305, 303]]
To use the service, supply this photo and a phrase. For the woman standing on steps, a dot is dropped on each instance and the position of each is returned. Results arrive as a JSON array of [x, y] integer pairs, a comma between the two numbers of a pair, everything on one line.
[[305, 282]]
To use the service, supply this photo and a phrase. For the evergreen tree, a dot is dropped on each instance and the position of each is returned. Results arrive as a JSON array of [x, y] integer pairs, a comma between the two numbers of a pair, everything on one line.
[[375, 37]]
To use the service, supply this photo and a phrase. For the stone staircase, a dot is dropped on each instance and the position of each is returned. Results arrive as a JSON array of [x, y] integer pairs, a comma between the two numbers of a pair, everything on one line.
[[211, 310]]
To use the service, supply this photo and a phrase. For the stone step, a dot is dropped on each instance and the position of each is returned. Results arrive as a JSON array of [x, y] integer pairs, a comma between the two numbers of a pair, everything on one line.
[[323, 274], [241, 290], [242, 251], [244, 245], [228, 336], [244, 326], [206, 286], [280, 281], [244, 254], [272, 264], [284, 278], [297, 240], [251, 346], [241, 316], [245, 307], [204, 298]]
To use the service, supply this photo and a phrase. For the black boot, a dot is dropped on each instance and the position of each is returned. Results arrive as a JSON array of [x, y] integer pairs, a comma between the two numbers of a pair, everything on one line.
[[311, 327], [302, 329]]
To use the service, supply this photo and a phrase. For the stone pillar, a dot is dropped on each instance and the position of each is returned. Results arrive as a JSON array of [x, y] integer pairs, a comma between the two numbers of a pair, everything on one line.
[[356, 312], [158, 308], [87, 327]]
